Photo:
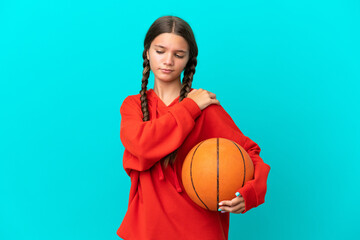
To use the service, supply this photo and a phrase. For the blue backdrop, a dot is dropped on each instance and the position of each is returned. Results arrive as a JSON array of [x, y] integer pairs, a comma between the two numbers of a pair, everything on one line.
[[286, 71]]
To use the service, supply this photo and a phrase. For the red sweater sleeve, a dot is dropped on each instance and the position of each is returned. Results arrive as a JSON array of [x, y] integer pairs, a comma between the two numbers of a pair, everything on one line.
[[254, 190], [150, 141], [220, 124]]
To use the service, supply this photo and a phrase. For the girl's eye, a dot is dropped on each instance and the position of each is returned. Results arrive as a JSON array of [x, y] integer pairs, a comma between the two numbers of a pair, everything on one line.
[[178, 56]]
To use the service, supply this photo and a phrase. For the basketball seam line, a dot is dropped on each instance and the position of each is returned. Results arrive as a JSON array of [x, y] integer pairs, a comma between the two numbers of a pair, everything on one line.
[[243, 163], [192, 182]]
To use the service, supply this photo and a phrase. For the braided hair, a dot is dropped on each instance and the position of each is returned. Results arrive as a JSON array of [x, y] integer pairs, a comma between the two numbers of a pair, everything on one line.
[[169, 24]]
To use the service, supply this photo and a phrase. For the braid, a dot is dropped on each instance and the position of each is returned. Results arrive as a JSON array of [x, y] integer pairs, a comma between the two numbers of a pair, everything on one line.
[[185, 89], [188, 78], [144, 82]]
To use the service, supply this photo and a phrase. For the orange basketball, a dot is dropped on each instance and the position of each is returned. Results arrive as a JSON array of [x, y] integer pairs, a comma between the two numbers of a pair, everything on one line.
[[214, 170]]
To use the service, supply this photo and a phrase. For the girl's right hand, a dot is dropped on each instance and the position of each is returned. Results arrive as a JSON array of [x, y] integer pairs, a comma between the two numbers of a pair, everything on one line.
[[203, 98]]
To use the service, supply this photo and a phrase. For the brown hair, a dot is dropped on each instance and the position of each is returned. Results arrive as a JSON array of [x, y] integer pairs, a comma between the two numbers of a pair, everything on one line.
[[169, 24]]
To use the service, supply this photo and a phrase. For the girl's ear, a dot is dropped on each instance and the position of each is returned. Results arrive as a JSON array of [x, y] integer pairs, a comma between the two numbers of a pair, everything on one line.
[[147, 54]]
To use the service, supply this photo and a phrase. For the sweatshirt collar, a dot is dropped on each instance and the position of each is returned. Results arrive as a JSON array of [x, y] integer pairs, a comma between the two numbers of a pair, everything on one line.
[[151, 93]]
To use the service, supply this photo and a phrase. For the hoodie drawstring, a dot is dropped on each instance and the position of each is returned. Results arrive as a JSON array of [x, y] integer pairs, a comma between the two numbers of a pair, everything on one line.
[[153, 116], [162, 178], [160, 171], [158, 164], [176, 180]]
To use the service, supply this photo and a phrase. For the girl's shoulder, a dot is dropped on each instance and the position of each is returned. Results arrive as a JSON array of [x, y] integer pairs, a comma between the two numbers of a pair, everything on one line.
[[134, 100], [136, 97]]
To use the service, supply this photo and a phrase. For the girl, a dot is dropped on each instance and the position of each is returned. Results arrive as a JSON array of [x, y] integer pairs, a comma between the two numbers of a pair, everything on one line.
[[158, 128]]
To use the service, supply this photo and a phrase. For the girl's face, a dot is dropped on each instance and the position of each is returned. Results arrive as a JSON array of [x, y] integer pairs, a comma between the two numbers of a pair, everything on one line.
[[168, 51]]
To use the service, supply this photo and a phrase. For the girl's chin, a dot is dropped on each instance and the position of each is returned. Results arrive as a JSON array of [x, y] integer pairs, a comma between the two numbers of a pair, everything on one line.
[[167, 78]]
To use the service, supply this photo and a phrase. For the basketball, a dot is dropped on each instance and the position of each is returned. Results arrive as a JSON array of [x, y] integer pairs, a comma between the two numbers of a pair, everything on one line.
[[214, 170]]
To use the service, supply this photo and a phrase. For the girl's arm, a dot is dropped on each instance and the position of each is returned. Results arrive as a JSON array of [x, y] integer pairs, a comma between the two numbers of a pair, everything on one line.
[[218, 123], [254, 190], [152, 140]]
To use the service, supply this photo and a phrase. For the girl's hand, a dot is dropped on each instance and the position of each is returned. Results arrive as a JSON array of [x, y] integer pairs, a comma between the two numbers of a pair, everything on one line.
[[236, 205], [203, 98]]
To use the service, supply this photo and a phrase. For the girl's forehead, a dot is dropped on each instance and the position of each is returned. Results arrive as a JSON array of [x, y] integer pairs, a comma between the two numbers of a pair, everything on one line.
[[170, 41]]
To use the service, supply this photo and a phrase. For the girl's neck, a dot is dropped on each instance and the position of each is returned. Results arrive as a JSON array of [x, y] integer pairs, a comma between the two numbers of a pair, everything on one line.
[[167, 91]]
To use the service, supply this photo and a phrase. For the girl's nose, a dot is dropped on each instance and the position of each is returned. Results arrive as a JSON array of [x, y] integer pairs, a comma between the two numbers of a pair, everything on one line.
[[169, 59]]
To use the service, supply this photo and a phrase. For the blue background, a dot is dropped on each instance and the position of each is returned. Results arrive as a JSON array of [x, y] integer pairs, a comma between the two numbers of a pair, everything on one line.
[[286, 71]]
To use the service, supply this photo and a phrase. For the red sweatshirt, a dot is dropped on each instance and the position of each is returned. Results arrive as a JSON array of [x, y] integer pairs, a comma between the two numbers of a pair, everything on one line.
[[159, 208]]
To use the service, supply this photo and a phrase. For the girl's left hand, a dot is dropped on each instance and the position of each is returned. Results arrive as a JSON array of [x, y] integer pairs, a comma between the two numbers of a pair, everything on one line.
[[236, 205]]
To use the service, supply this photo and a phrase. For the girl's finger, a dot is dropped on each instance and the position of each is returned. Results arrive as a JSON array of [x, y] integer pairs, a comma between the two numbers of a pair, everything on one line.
[[240, 210], [232, 202], [225, 203], [233, 209], [212, 95]]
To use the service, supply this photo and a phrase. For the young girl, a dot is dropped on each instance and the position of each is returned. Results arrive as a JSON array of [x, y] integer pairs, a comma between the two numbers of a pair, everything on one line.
[[158, 128]]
